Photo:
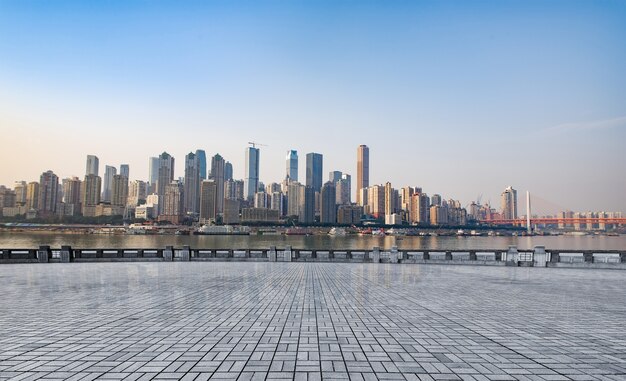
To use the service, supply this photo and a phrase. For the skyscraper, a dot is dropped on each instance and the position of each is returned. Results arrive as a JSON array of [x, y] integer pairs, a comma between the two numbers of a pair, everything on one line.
[[136, 193], [173, 203], [208, 194], [217, 175], [125, 170], [71, 191], [292, 165], [48, 192], [509, 203], [192, 183], [201, 157], [154, 172], [228, 171], [343, 190], [314, 169], [362, 171], [328, 210], [251, 181], [307, 205], [334, 176], [109, 172], [20, 189], [92, 165], [165, 176]]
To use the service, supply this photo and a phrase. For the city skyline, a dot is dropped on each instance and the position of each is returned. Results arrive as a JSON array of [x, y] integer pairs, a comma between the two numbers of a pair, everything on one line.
[[462, 99]]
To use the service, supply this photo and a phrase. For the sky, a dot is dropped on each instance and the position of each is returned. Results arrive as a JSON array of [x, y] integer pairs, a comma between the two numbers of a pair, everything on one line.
[[461, 98]]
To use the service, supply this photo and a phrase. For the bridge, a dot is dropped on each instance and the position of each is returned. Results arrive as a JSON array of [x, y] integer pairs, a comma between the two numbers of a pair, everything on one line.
[[557, 220]]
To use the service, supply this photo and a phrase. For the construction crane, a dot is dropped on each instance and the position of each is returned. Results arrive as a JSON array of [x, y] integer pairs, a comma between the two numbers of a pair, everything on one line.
[[254, 144]]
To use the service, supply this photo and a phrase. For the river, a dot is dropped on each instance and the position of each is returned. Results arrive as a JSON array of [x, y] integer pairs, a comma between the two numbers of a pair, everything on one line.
[[26, 240]]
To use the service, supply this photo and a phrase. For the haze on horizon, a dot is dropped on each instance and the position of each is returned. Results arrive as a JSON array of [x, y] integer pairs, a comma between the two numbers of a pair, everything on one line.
[[461, 98]]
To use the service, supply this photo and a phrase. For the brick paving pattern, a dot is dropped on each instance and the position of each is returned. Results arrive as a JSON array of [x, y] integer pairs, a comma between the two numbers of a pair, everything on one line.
[[310, 321]]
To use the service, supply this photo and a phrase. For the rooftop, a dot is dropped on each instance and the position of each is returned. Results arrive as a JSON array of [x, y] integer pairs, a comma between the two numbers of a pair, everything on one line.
[[236, 320]]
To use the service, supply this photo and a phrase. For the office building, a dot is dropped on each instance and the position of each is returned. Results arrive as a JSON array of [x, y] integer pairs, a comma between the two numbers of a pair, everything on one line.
[[328, 208], [306, 207], [125, 170], [251, 180], [314, 170], [228, 171], [349, 214], [153, 175], [362, 172], [259, 215], [107, 184], [217, 175], [231, 212], [192, 184], [292, 165], [92, 165], [165, 176], [201, 157], [344, 190]]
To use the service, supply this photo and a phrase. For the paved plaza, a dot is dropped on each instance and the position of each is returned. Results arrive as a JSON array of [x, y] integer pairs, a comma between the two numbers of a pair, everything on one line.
[[310, 321]]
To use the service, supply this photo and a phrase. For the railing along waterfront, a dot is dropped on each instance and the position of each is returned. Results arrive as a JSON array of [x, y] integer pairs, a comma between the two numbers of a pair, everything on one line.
[[537, 257]]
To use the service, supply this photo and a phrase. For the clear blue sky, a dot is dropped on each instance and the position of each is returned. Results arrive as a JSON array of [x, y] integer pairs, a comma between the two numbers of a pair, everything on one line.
[[461, 98]]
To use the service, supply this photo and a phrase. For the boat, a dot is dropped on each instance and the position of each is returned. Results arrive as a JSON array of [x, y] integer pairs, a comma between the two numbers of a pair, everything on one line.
[[337, 232], [222, 230]]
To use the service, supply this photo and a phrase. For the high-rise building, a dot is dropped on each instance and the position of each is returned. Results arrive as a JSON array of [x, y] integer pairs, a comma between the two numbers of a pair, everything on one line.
[[277, 201], [201, 157], [390, 199], [334, 176], [307, 205], [20, 193], [165, 170], [107, 185], [376, 201], [314, 170], [32, 195], [48, 192], [125, 170], [328, 209], [119, 190], [90, 192], [231, 211], [137, 193], [154, 172], [72, 194], [217, 175], [251, 181], [192, 184], [262, 200], [92, 165], [362, 172], [7, 197], [349, 214], [228, 171], [435, 199], [420, 209], [293, 198], [208, 201], [509, 203], [173, 203], [292, 165], [343, 190]]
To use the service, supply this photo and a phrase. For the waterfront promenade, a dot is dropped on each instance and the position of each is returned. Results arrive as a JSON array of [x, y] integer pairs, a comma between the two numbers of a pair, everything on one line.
[[237, 320]]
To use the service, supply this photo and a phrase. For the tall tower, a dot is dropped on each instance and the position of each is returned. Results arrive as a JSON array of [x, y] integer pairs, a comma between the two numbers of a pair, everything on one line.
[[362, 171], [217, 175], [328, 210], [192, 183], [314, 168], [109, 172], [292, 165], [125, 170], [201, 155], [165, 176], [509, 203], [228, 171], [153, 176], [92, 165], [207, 201], [251, 184]]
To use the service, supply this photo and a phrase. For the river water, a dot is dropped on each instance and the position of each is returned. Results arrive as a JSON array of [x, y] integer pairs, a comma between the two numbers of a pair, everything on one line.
[[27, 240]]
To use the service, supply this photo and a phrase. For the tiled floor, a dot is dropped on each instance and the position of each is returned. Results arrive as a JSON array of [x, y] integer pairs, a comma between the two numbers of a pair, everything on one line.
[[199, 321]]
